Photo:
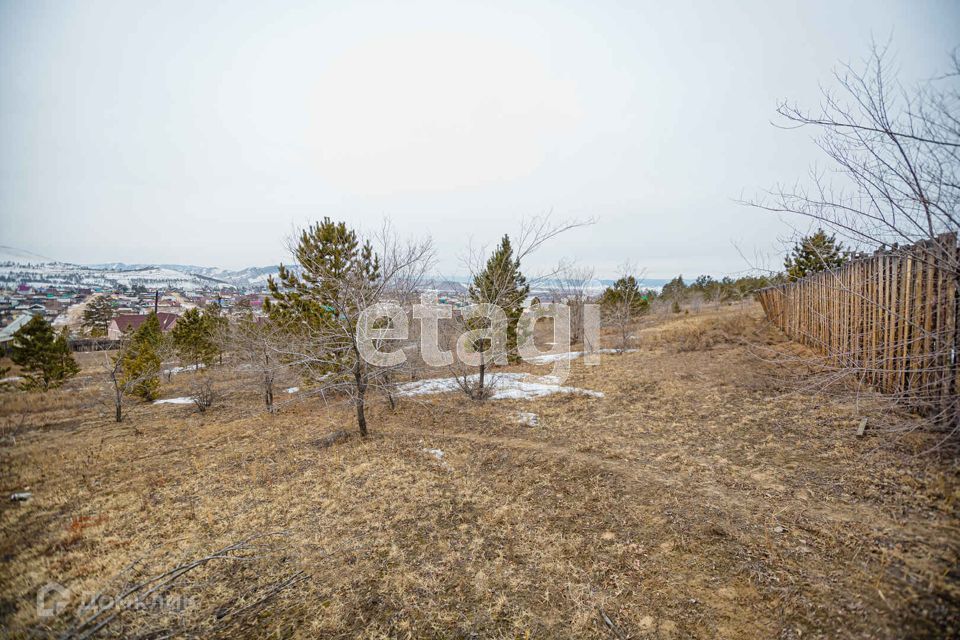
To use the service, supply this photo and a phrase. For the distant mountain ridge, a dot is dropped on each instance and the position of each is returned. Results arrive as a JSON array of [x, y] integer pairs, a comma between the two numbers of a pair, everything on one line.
[[24, 267], [19, 266], [248, 277]]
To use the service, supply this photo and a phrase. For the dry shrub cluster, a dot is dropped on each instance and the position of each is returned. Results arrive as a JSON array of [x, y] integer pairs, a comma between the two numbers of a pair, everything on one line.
[[203, 394]]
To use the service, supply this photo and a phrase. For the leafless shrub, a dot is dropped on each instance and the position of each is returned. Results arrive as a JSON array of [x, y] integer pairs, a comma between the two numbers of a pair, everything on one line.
[[898, 151], [572, 287], [203, 395], [477, 386]]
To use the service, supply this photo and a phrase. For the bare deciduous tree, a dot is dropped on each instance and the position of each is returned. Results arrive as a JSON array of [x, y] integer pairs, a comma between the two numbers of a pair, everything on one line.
[[253, 343], [897, 153], [572, 287]]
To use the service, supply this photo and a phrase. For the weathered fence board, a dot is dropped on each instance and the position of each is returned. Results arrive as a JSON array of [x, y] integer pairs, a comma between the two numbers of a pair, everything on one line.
[[892, 317]]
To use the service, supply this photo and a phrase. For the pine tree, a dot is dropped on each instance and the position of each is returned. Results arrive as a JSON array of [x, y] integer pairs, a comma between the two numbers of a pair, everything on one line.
[[676, 292], [501, 283], [814, 253], [625, 292], [44, 356], [141, 360], [97, 317], [621, 304], [329, 254], [218, 329], [324, 302], [66, 365], [193, 338]]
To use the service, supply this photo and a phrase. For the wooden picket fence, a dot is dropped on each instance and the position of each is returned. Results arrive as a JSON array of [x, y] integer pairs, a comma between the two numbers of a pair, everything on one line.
[[893, 317]]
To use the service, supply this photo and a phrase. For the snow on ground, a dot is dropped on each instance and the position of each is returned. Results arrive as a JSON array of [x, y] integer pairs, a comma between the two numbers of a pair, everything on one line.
[[183, 400], [292, 389], [10, 379], [436, 453], [176, 370], [506, 386], [527, 418], [73, 316]]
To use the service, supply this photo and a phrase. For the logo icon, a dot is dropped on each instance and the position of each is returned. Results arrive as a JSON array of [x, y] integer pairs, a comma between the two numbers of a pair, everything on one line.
[[52, 599]]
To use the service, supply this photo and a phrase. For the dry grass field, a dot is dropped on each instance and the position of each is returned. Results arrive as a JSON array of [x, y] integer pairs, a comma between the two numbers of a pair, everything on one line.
[[700, 497]]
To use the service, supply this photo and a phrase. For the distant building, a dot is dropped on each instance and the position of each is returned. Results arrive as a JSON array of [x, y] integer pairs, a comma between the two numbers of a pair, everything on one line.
[[125, 323], [6, 334]]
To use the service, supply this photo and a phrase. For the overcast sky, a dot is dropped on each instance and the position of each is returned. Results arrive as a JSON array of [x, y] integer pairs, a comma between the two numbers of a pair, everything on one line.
[[203, 132]]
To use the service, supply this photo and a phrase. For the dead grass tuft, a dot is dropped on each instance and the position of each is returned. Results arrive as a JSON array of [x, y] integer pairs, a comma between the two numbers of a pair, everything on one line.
[[706, 332]]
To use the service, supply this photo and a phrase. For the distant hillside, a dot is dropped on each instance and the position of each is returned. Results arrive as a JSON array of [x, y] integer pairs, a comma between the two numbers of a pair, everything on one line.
[[24, 267], [19, 266], [247, 278]]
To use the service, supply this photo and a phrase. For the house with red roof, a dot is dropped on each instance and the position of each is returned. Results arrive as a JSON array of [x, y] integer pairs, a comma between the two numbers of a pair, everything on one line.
[[128, 323]]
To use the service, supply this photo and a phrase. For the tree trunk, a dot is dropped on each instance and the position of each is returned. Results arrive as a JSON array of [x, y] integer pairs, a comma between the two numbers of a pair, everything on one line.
[[268, 383], [386, 388], [361, 391], [119, 407], [480, 393], [361, 418]]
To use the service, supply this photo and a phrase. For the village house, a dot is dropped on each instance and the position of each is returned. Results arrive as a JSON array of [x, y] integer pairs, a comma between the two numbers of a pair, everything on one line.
[[7, 332], [169, 304], [126, 323]]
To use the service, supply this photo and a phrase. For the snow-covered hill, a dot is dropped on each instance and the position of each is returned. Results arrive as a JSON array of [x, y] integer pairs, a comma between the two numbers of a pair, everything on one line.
[[19, 266], [248, 278], [23, 267]]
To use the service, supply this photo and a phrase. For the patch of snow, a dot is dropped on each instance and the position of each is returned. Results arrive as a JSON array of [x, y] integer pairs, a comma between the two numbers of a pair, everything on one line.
[[292, 389], [10, 379], [436, 453], [506, 386], [528, 418], [183, 400], [175, 370]]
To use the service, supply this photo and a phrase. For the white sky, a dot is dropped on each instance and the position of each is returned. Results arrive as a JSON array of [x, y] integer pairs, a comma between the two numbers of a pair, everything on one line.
[[203, 132]]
